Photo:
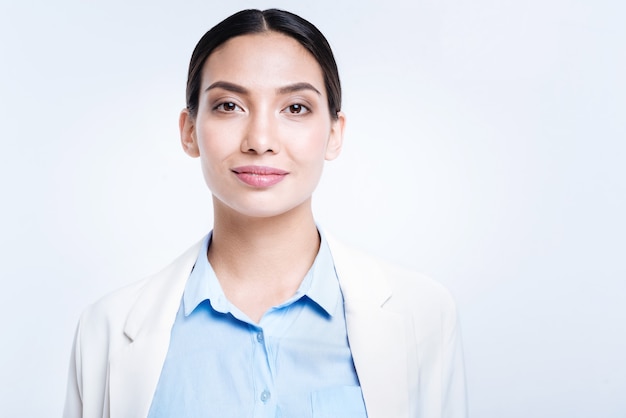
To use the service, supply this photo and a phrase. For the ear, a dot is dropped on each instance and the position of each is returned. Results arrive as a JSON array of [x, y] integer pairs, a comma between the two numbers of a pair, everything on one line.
[[187, 126], [335, 139]]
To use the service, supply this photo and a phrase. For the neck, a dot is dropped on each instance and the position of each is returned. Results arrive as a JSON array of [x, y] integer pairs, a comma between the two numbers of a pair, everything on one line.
[[260, 262]]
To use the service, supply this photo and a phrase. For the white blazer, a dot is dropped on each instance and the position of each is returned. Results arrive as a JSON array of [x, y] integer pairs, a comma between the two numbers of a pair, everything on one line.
[[402, 331]]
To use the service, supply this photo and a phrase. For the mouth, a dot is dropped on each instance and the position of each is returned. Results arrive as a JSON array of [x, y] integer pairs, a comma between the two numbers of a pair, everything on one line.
[[259, 176]]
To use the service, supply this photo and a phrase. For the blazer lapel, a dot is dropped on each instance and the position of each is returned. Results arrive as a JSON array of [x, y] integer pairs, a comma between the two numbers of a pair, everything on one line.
[[379, 338], [135, 369], [379, 349]]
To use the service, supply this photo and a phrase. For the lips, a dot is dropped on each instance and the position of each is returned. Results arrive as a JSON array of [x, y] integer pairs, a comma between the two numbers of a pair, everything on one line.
[[259, 176]]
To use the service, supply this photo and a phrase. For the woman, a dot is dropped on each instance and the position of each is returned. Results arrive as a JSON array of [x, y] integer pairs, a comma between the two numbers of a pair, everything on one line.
[[267, 316]]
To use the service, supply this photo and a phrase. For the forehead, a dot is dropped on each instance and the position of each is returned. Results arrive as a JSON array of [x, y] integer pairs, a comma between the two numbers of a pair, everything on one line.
[[268, 59]]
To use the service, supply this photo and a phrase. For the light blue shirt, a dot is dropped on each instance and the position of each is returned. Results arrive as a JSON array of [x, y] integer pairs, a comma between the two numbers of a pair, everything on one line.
[[296, 363]]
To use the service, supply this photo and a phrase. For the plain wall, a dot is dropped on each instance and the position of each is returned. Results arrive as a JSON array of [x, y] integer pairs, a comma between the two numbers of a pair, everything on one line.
[[485, 147]]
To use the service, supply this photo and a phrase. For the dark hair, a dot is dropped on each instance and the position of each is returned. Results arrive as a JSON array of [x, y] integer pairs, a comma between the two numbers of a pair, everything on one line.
[[257, 21]]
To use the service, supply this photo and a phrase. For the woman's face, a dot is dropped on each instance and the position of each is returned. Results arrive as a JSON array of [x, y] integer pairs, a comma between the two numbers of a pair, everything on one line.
[[263, 128]]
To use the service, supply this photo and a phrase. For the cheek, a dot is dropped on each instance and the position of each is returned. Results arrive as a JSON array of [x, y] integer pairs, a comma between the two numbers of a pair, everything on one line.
[[312, 146], [213, 142]]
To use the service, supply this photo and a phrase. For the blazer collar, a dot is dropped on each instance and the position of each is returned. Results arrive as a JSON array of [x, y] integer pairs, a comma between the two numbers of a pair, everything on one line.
[[379, 338]]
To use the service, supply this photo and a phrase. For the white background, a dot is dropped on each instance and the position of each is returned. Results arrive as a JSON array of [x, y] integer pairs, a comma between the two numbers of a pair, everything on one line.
[[485, 148]]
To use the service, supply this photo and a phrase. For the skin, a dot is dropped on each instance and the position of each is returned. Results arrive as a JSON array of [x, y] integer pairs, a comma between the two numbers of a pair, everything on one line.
[[262, 102]]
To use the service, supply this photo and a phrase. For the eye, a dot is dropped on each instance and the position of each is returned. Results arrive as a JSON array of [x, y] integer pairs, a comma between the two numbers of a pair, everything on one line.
[[228, 107], [297, 109]]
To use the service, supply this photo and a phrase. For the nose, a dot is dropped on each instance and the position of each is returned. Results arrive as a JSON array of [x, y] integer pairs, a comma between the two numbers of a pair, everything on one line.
[[260, 136]]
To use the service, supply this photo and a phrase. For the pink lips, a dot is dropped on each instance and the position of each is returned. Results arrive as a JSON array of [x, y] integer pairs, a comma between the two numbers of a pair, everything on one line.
[[259, 176]]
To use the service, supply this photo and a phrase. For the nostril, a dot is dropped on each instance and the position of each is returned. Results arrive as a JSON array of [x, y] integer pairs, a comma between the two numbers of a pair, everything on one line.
[[255, 151]]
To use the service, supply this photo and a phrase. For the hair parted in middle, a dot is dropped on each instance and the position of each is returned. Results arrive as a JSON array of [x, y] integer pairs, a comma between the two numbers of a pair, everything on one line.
[[253, 21]]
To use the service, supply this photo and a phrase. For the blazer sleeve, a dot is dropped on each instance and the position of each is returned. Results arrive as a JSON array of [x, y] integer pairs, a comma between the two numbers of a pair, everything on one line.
[[73, 398], [454, 392]]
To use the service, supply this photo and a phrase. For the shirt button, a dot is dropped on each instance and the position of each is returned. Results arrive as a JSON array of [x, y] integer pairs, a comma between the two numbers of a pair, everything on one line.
[[259, 336], [265, 396]]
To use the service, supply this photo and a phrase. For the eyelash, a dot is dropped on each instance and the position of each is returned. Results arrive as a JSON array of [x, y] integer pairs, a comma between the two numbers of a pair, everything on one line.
[[291, 109]]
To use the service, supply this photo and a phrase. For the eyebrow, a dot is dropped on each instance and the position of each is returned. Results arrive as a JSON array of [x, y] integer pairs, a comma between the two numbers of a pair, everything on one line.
[[236, 88], [292, 88]]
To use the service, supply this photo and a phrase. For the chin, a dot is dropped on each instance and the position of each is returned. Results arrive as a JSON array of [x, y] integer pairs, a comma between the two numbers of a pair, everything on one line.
[[263, 208]]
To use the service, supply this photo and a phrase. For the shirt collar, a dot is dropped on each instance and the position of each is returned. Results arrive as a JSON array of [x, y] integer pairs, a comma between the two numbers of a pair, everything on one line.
[[320, 284]]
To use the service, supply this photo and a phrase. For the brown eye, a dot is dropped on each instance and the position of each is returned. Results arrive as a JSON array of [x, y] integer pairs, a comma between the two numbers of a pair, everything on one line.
[[227, 107], [297, 109]]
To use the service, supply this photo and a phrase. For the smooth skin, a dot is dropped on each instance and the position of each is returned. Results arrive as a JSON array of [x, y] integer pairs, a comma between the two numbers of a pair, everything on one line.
[[262, 103]]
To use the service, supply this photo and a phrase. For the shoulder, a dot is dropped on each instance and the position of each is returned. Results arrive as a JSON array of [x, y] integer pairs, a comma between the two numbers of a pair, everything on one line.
[[107, 327], [111, 309], [111, 313], [366, 276]]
